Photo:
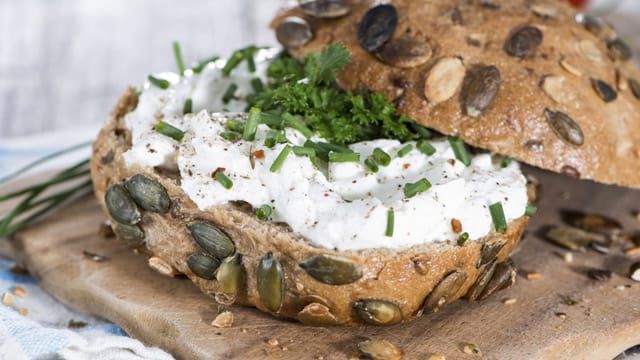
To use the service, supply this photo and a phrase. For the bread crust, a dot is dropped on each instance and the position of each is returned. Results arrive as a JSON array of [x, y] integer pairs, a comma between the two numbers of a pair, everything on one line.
[[515, 123], [404, 278]]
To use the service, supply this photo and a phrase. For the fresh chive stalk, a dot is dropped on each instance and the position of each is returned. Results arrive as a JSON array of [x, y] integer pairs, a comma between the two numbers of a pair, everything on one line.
[[277, 164], [297, 124], [229, 135], [177, 52], [274, 137], [272, 119], [411, 190], [463, 238], [405, 150], [381, 157], [233, 62], [460, 150], [505, 162], [202, 64], [257, 85], [251, 126], [371, 165], [188, 106], [229, 93], [425, 147], [344, 157], [223, 180], [170, 131], [422, 131], [304, 151], [390, 223], [263, 212], [157, 82], [235, 125], [530, 210], [497, 214], [249, 54]]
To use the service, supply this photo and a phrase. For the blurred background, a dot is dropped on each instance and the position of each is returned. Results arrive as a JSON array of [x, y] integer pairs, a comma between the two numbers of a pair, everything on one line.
[[64, 63]]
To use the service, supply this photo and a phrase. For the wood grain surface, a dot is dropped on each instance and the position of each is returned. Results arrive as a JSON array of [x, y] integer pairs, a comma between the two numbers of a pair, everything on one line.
[[601, 319]]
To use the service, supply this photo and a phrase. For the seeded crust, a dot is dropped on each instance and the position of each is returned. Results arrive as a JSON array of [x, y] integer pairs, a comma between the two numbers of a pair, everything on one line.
[[404, 278], [515, 123]]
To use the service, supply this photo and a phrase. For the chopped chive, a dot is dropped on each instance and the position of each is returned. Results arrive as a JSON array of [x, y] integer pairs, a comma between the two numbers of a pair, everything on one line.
[[425, 147], [169, 130], [188, 106], [371, 165], [251, 64], [274, 137], [202, 64], [177, 52], [228, 95], [422, 185], [530, 210], [381, 157], [344, 157], [251, 126], [304, 151], [422, 131], [460, 150], [497, 214], [505, 162], [233, 62], [390, 222], [257, 85], [297, 124], [272, 119], [405, 150], [224, 180], [229, 135], [235, 125], [277, 164], [263, 212], [161, 83], [463, 238]]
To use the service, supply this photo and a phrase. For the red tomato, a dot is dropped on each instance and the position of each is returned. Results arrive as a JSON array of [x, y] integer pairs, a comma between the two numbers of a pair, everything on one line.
[[579, 3]]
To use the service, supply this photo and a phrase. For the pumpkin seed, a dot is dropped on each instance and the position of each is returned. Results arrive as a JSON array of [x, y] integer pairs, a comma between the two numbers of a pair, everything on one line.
[[481, 282], [456, 16], [332, 270], [599, 274], [445, 290], [405, 52], [211, 239], [203, 265], [107, 158], [503, 277], [378, 312], [231, 275], [590, 50], [444, 79], [570, 238], [592, 23], [570, 171], [130, 235], [635, 87], [121, 206], [481, 86], [148, 193], [377, 26], [593, 223], [523, 41], [619, 50], [316, 314], [293, 32], [553, 86], [634, 271], [569, 67], [376, 349], [324, 9], [271, 286], [604, 90], [489, 252], [564, 127]]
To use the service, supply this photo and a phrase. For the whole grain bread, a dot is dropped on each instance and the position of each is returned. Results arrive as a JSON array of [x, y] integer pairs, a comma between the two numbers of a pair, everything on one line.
[[393, 286], [553, 64]]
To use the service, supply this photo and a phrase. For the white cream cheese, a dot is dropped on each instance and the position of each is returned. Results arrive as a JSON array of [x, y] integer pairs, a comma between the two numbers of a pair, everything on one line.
[[343, 207]]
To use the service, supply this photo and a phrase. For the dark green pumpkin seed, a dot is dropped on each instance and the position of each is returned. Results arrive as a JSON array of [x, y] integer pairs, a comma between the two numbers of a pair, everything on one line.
[[481, 282], [619, 50], [564, 127], [231, 275], [293, 32], [121, 206], [332, 270], [570, 238], [489, 253], [599, 274], [635, 87], [523, 41], [325, 9], [503, 277], [405, 52], [148, 193], [271, 286], [130, 235], [445, 290], [203, 265], [604, 90], [377, 26], [211, 239], [378, 312], [481, 86]]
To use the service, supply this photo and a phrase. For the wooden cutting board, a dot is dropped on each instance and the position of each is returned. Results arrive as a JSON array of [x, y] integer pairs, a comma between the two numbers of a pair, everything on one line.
[[601, 320]]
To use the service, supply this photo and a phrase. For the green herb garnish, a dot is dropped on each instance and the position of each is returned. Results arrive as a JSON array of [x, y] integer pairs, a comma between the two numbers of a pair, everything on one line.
[[161, 83], [411, 190], [177, 52], [463, 238], [229, 135], [505, 162], [530, 210], [297, 124], [405, 150], [251, 126], [371, 165], [277, 164], [233, 62], [274, 137], [235, 125], [188, 106], [344, 157], [229, 93], [460, 150], [249, 54], [202, 64], [390, 223], [263, 212], [170, 131], [257, 85], [425, 147], [497, 214], [223, 179], [381, 157], [304, 151]]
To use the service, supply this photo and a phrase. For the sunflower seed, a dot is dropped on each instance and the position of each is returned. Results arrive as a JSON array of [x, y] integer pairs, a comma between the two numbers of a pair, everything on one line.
[[211, 239], [634, 271], [553, 86], [436, 357], [324, 9], [544, 11], [332, 270], [377, 26], [619, 50], [481, 86], [162, 267], [489, 253], [293, 32], [570, 171], [472, 349], [503, 277], [635, 87], [569, 67], [223, 320], [590, 50], [271, 286], [481, 282], [599, 274], [523, 41], [564, 127], [534, 275], [570, 238], [148, 193], [378, 312], [604, 90], [231, 276], [405, 52], [593, 223], [121, 206], [445, 290], [130, 235], [203, 265], [376, 349], [444, 79], [316, 314]]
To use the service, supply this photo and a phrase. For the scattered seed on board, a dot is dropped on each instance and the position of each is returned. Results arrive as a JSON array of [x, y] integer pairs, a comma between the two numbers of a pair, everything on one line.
[[8, 299], [93, 256], [223, 320], [436, 357], [509, 301], [19, 291], [561, 315], [273, 342], [623, 287], [534, 275], [377, 349], [444, 79], [634, 272], [293, 32], [599, 274], [162, 267], [472, 349], [570, 238]]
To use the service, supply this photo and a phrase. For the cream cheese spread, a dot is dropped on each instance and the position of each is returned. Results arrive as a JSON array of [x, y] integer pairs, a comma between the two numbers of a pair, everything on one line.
[[342, 205]]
